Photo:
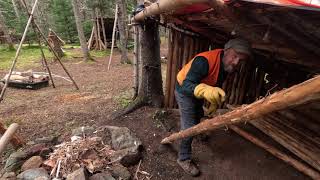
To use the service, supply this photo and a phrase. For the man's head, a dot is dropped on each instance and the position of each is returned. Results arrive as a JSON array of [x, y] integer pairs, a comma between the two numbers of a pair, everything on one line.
[[235, 50]]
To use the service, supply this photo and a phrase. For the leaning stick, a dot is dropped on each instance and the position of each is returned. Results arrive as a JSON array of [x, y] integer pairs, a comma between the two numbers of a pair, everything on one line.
[[113, 34], [45, 60], [293, 162], [295, 95], [18, 51], [7, 136]]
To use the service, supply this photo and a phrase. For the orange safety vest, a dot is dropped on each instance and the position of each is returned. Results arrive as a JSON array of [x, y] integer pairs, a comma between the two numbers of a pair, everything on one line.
[[214, 60]]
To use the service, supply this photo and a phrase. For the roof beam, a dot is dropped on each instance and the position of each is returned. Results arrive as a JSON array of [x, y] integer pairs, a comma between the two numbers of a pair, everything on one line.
[[165, 6]]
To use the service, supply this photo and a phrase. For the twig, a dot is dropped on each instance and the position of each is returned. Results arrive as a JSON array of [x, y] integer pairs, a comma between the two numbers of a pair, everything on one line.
[[58, 169], [54, 168], [138, 169]]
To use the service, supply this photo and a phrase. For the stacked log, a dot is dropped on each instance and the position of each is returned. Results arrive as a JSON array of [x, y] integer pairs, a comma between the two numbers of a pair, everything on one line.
[[297, 129]]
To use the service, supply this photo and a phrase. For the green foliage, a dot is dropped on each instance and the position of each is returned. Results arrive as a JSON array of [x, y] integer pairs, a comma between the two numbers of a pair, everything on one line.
[[64, 21], [29, 56], [124, 98]]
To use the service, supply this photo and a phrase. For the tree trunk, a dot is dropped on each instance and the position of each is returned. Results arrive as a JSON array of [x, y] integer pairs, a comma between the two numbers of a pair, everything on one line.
[[122, 26], [150, 90], [5, 30], [151, 81], [79, 24]]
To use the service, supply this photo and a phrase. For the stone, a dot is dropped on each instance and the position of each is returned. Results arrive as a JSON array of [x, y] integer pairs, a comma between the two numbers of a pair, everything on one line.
[[9, 176], [127, 157], [32, 174], [44, 153], [88, 131], [51, 140], [122, 138], [79, 174], [42, 178], [102, 176], [32, 163], [35, 149], [119, 171], [15, 161]]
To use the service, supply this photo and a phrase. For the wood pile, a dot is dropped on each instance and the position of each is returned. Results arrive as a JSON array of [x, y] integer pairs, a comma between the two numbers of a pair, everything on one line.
[[301, 138]]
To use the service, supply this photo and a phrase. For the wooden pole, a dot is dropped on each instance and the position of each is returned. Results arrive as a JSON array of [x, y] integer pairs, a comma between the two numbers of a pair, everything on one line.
[[16, 140], [169, 69], [18, 51], [45, 62], [91, 37], [164, 6], [113, 34], [136, 62], [7, 136], [295, 95], [293, 162], [104, 32], [98, 27]]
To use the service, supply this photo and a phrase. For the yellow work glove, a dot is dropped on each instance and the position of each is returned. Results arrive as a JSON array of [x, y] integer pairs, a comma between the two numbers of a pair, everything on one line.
[[214, 95], [209, 108]]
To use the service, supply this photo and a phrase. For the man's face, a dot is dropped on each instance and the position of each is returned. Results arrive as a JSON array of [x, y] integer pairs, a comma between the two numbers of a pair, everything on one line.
[[231, 59]]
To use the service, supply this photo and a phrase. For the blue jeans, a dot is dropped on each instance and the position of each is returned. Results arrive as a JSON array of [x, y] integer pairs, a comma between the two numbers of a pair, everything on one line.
[[190, 112]]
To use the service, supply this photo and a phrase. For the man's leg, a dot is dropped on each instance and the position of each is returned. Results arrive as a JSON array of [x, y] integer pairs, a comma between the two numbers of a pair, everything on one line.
[[190, 112]]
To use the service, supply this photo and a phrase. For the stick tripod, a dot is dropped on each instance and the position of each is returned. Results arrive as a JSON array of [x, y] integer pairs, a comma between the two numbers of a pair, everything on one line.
[[37, 31]]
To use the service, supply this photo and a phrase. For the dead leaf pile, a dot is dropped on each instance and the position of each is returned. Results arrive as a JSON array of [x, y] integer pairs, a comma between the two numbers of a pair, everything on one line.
[[90, 153]]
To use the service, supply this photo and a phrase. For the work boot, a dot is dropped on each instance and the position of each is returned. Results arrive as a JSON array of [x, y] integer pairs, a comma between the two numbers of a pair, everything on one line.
[[189, 167]]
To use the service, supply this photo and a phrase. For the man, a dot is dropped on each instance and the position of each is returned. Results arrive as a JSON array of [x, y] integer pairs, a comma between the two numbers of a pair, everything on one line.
[[200, 79]]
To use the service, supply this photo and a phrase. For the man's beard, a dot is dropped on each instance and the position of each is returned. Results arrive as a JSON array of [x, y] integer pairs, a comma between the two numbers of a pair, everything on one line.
[[229, 68]]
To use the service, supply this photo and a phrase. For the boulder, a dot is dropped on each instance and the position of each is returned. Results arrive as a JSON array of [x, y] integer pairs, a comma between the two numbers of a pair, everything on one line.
[[15, 161], [127, 157], [122, 137], [119, 171], [9, 176], [32, 174], [50, 140], [127, 145], [102, 176], [88, 131], [79, 174], [32, 163]]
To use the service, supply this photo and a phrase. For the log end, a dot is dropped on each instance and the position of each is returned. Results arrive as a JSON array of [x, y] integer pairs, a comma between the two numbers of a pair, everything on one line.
[[165, 141]]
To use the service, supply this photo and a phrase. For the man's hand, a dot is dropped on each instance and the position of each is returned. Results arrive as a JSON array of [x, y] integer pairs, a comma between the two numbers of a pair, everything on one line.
[[214, 95]]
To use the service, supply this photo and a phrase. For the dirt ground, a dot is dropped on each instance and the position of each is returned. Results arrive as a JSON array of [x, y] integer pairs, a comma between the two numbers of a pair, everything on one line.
[[50, 111]]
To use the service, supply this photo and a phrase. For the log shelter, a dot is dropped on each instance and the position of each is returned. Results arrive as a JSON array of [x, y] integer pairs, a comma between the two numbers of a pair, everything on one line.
[[285, 36], [101, 34]]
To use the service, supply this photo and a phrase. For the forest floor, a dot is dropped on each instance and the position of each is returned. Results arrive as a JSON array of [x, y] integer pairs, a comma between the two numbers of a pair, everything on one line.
[[50, 111]]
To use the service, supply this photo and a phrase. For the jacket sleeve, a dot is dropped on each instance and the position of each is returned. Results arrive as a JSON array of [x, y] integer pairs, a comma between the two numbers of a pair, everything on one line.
[[198, 71]]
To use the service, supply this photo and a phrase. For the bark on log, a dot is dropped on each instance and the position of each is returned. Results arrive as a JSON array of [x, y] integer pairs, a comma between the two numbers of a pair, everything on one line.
[[16, 140], [162, 6], [175, 56], [298, 94], [169, 69], [293, 162]]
